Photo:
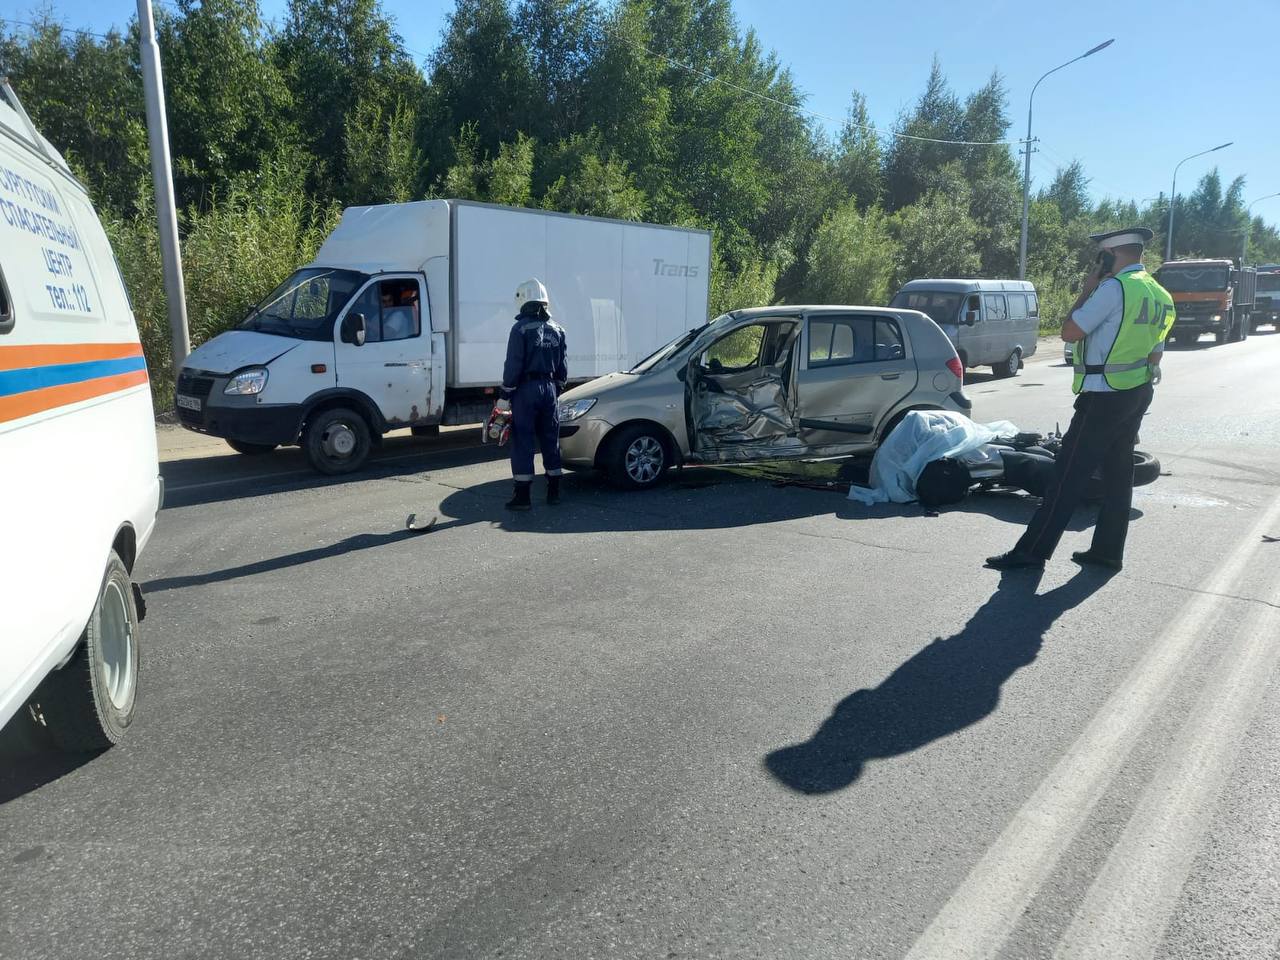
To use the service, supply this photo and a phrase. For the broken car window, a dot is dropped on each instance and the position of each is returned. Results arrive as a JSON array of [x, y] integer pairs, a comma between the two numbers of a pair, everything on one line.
[[739, 350]]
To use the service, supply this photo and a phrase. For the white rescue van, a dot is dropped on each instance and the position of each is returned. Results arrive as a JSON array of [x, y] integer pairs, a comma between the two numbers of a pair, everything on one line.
[[77, 452], [402, 321]]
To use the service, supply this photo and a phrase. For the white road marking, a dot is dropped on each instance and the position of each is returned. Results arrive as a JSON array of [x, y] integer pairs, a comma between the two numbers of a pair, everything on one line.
[[1125, 912], [986, 907]]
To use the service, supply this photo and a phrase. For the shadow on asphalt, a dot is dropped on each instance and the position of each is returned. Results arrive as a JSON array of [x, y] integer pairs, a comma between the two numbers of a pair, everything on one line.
[[949, 685], [29, 759], [205, 480]]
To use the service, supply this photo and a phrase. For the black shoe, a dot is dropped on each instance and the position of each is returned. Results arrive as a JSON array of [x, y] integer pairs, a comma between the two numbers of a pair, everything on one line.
[[553, 490], [1015, 560], [521, 500], [1088, 556]]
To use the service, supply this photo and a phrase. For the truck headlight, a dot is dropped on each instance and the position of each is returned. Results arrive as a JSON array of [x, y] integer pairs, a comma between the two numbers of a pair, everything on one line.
[[1215, 318], [573, 409], [247, 383]]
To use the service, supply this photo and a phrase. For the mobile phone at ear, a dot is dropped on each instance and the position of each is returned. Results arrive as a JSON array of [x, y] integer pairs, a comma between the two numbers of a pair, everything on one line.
[[1106, 262]]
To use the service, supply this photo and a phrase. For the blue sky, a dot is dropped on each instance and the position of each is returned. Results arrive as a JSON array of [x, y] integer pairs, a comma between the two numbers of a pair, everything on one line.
[[1171, 85]]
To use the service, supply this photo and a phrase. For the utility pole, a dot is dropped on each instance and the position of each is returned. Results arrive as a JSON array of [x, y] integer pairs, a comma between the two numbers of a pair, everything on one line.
[[162, 176]]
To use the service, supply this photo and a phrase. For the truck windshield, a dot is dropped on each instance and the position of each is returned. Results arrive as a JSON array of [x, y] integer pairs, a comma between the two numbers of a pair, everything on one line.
[[942, 308], [1268, 282], [1192, 279], [306, 305]]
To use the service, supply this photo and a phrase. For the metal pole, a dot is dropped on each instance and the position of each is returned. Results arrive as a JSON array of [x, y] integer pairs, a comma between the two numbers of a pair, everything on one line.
[[162, 175], [1026, 174], [1173, 195]]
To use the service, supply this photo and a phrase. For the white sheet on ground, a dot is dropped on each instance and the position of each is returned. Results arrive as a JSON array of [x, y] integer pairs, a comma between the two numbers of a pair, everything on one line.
[[922, 437]]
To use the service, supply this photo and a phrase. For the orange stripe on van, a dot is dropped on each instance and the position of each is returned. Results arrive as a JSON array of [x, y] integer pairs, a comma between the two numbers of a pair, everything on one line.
[[48, 354], [38, 401]]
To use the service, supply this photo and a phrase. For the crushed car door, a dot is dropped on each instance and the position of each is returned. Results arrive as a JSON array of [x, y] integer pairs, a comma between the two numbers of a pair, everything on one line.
[[740, 394], [855, 369]]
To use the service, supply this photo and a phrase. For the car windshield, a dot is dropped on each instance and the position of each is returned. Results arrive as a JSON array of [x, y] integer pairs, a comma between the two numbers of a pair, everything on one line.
[[1192, 279], [670, 349], [941, 307], [306, 305], [1268, 282]]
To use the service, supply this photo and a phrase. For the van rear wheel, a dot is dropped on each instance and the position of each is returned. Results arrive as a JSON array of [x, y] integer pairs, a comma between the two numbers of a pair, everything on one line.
[[337, 441], [1010, 367], [89, 704], [250, 449]]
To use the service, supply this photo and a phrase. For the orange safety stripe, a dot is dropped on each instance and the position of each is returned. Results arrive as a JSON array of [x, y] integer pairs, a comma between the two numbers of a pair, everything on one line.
[[48, 354], [38, 401]]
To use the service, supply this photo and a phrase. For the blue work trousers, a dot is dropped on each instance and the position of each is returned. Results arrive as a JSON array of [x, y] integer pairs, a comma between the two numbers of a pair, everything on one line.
[[535, 417]]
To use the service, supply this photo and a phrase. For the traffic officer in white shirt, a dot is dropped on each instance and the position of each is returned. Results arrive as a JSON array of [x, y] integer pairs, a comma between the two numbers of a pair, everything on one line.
[[1117, 327]]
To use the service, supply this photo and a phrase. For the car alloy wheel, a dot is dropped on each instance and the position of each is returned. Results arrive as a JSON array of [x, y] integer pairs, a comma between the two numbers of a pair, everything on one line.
[[644, 459]]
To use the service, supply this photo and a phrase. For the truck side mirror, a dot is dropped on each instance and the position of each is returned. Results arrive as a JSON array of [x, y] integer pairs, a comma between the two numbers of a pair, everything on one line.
[[970, 318], [353, 329]]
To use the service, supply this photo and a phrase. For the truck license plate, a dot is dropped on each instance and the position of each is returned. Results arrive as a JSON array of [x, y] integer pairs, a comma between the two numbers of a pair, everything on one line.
[[188, 403]]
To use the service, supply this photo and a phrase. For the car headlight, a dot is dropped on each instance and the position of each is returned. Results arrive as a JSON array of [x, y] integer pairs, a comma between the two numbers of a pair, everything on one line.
[[573, 409], [1215, 318], [247, 383]]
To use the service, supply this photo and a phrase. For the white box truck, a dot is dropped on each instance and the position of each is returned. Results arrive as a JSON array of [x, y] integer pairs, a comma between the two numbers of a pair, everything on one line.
[[402, 321], [77, 452]]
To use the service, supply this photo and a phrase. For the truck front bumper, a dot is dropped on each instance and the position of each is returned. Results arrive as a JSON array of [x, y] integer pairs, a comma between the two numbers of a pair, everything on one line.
[[203, 407]]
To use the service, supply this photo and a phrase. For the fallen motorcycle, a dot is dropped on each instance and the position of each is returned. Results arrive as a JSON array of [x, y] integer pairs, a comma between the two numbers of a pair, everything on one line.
[[1022, 462]]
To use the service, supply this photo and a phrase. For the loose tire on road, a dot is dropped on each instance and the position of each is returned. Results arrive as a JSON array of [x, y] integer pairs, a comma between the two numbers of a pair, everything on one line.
[[337, 441], [250, 449], [1010, 367], [89, 704], [638, 457]]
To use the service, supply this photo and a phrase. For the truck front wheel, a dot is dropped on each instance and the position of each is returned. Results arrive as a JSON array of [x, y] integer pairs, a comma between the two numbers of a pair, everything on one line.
[[337, 441], [89, 704]]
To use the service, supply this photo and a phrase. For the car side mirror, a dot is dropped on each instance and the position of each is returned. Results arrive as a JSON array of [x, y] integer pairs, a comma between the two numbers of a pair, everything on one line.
[[354, 330], [970, 318]]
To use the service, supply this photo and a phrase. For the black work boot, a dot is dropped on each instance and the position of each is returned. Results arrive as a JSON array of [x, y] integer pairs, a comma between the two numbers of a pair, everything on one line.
[[521, 500], [553, 490]]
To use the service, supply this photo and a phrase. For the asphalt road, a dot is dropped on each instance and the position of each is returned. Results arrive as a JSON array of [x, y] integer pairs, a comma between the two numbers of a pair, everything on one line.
[[723, 719]]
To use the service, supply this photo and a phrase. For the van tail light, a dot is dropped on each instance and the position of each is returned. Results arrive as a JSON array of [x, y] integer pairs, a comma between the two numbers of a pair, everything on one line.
[[954, 366]]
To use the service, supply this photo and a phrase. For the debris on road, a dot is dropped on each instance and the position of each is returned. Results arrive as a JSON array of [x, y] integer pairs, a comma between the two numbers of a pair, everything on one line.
[[411, 523]]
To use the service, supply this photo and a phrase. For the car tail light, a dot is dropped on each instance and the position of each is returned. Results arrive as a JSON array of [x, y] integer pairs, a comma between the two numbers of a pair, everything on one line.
[[954, 366]]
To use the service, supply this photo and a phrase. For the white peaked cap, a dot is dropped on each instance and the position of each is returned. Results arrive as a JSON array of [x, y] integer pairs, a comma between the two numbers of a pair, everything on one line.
[[1122, 238]]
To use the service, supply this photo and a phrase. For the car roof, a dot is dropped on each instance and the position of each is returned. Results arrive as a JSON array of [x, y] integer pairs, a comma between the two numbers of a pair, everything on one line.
[[790, 309], [1202, 262]]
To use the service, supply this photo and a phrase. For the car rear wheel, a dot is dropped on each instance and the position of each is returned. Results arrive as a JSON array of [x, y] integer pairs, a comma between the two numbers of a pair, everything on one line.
[[89, 704], [337, 441], [250, 449], [1010, 367], [638, 458]]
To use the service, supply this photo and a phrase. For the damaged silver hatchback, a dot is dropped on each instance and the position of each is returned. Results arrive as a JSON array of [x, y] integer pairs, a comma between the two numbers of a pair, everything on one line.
[[770, 383]]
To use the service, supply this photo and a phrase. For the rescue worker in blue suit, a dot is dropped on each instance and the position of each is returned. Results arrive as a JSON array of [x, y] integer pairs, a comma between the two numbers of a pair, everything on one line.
[[532, 380]]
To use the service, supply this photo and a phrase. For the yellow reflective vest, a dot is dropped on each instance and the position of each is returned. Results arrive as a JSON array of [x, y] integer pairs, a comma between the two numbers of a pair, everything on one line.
[[1146, 320]]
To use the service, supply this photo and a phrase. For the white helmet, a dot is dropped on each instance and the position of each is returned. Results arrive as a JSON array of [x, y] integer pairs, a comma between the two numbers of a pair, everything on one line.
[[532, 291]]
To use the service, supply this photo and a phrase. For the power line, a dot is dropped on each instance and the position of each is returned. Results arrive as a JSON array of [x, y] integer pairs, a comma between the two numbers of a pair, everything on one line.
[[35, 26]]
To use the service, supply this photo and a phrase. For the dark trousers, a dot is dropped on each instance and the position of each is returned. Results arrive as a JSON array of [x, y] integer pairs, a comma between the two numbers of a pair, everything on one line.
[[1101, 436], [535, 420]]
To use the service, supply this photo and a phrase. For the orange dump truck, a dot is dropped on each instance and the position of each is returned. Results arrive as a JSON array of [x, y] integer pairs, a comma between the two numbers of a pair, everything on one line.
[[1210, 296]]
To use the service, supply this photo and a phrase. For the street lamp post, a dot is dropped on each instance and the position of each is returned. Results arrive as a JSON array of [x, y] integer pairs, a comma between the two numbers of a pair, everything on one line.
[[1026, 177], [1173, 195], [1248, 224]]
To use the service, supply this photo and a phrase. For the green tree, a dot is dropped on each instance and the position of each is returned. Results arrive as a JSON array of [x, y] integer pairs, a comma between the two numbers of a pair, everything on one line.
[[1069, 192], [228, 105], [85, 95], [562, 38], [381, 155], [909, 164], [935, 238], [858, 156], [588, 184], [852, 257]]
